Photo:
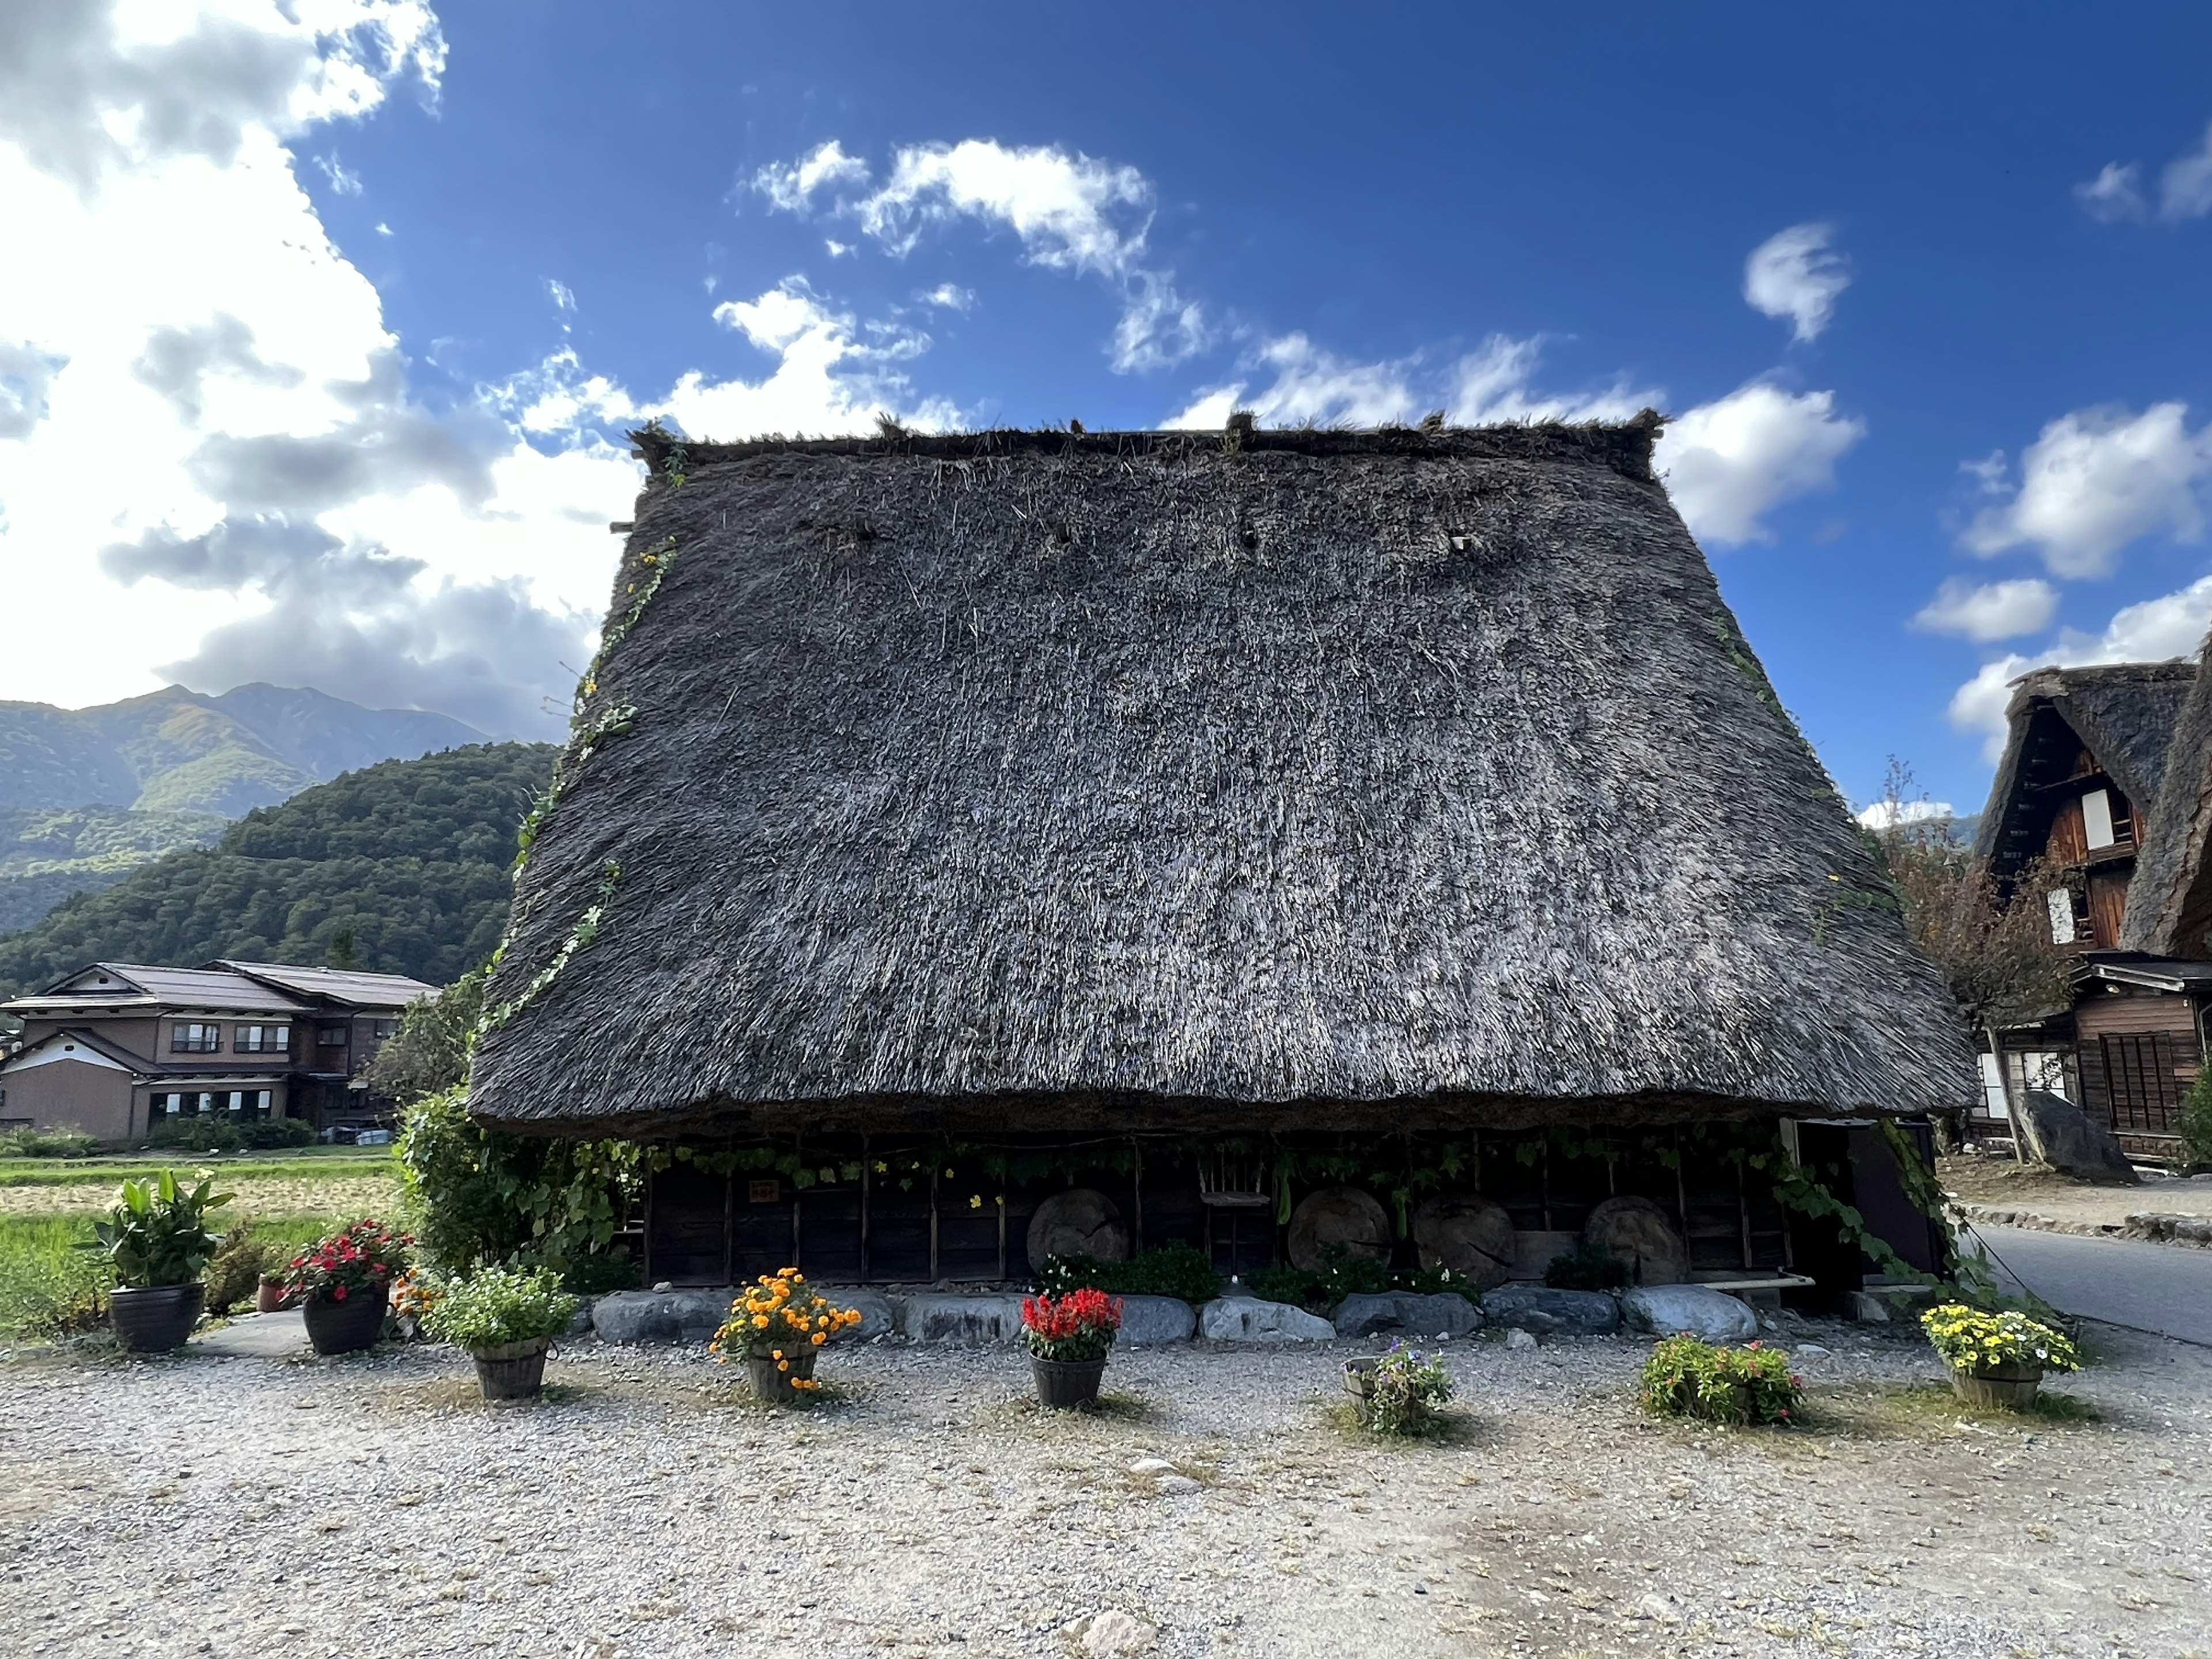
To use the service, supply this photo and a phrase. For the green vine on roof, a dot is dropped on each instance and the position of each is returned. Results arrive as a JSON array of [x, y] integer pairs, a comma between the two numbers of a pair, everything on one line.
[[586, 930]]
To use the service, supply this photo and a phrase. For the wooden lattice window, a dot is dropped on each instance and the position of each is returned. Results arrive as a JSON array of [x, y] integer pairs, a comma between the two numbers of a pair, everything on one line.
[[2146, 1086]]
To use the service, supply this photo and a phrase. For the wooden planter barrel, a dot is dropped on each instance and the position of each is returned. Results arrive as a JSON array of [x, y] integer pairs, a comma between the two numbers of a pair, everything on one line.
[[511, 1371], [2012, 1386], [773, 1385]]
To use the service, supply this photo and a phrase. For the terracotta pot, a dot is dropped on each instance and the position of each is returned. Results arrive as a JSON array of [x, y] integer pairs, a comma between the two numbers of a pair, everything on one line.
[[773, 1385], [157, 1318], [269, 1294], [512, 1370], [1062, 1384], [2012, 1387], [344, 1327]]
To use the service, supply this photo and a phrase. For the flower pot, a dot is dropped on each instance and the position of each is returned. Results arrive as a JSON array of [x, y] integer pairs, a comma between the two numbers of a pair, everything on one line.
[[269, 1294], [344, 1327], [156, 1319], [1359, 1377], [773, 1385], [512, 1370], [1064, 1384], [2011, 1386]]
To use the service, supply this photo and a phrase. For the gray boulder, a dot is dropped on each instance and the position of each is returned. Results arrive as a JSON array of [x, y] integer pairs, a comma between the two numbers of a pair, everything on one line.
[[1668, 1310], [1400, 1312], [878, 1313], [1546, 1312], [1247, 1319], [2060, 1134], [1149, 1321], [661, 1315], [972, 1321]]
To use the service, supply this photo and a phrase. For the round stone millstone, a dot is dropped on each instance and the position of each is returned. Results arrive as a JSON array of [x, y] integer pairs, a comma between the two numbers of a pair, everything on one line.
[[1081, 1221], [1338, 1215], [1467, 1234], [1636, 1232]]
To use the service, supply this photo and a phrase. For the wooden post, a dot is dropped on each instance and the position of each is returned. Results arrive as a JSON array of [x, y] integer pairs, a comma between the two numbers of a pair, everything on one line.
[[729, 1227], [1544, 1180], [1681, 1193], [1002, 1227], [1743, 1215], [1137, 1184], [932, 1214], [868, 1184]]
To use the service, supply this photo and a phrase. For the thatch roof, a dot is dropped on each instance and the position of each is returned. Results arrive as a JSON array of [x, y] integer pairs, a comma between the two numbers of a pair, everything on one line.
[[2170, 901], [2123, 712], [1170, 780]]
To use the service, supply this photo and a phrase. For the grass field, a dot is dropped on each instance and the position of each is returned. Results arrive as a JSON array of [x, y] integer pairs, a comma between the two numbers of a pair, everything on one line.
[[48, 1287]]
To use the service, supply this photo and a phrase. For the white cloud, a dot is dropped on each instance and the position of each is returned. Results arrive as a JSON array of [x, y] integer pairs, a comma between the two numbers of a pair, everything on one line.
[[2185, 188], [948, 296], [2094, 481], [1795, 274], [344, 183], [1310, 385], [1996, 610], [1730, 462], [2151, 630], [1887, 815], [562, 297], [2114, 194], [1069, 212]]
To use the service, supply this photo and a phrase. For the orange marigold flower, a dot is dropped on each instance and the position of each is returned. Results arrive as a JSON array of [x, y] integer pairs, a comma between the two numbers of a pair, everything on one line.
[[819, 1338]]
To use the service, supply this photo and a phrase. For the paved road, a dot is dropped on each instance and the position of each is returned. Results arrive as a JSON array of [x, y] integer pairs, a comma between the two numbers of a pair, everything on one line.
[[2162, 1288]]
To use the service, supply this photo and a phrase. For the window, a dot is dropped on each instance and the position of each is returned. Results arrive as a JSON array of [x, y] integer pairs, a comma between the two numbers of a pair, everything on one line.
[[196, 1039], [2096, 819], [387, 1029], [331, 1036], [264, 1039], [2061, 901], [248, 1102]]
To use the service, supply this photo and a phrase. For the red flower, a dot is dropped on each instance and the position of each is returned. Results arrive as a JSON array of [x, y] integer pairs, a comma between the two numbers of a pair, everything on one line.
[[338, 1292]]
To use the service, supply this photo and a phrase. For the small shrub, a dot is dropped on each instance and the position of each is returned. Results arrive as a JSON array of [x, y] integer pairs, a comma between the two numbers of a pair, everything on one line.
[[221, 1135], [498, 1305], [1970, 1339], [1072, 1329], [1407, 1388], [156, 1234], [1588, 1266], [60, 1142], [2196, 1123], [1344, 1274], [1686, 1377], [51, 1285], [1176, 1269], [233, 1273], [601, 1272]]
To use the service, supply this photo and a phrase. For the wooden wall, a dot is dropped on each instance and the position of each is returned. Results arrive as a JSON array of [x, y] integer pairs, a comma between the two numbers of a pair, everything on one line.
[[2138, 1052]]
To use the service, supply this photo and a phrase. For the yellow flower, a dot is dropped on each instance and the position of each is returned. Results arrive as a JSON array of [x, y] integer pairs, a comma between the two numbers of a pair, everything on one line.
[[783, 1364], [776, 1354]]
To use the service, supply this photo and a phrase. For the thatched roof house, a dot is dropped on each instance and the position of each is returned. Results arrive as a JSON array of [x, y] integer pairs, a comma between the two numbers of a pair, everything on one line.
[[2170, 907], [1286, 780]]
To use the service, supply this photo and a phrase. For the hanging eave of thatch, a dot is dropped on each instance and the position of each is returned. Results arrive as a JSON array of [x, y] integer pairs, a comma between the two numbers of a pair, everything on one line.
[[2169, 910], [2123, 712], [1245, 781]]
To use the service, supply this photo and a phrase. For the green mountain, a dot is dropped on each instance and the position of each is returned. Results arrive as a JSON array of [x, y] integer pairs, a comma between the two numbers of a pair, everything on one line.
[[400, 867], [87, 794]]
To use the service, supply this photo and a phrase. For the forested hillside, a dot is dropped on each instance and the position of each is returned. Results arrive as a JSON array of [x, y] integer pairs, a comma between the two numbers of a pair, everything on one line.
[[400, 867], [46, 853]]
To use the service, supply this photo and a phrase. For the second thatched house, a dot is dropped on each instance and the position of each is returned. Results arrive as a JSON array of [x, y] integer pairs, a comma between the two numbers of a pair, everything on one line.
[[1270, 836]]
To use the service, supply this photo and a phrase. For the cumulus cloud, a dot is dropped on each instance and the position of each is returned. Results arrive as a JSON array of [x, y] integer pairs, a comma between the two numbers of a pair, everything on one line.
[[2151, 630], [26, 372], [2094, 481], [1995, 610], [1305, 384], [1069, 212], [1795, 274], [2185, 188], [179, 362], [1729, 463], [1887, 815]]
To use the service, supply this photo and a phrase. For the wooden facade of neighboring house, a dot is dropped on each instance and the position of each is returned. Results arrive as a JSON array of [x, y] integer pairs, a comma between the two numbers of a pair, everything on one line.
[[958, 824], [117, 1049], [2101, 801]]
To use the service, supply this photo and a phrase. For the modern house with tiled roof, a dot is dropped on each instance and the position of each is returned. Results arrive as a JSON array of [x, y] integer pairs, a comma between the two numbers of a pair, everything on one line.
[[119, 1048]]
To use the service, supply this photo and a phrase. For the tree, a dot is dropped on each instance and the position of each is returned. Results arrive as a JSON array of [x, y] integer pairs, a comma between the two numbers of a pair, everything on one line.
[[1991, 939], [429, 1052]]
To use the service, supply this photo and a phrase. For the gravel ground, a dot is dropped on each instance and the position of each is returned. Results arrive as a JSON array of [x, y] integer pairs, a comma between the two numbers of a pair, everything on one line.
[[373, 1506]]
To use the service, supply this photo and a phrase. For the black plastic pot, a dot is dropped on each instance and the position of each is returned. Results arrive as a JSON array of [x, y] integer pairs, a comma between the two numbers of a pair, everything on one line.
[[344, 1327], [156, 1319], [512, 1370], [1062, 1384]]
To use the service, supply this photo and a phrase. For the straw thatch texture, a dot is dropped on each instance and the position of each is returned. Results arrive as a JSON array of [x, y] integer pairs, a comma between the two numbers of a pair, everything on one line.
[[2170, 901], [1298, 781]]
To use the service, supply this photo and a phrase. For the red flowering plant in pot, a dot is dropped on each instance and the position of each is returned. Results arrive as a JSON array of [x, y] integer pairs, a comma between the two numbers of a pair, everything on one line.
[[342, 1284], [1067, 1338]]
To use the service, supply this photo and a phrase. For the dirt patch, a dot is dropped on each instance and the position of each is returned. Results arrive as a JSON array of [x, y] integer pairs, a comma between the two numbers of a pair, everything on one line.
[[338, 1195], [1996, 1183]]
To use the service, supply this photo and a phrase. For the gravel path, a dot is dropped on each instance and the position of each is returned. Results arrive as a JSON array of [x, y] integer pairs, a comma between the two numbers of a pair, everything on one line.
[[372, 1506]]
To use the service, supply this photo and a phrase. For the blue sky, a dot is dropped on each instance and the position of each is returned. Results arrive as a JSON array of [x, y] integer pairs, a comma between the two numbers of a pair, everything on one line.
[[380, 285]]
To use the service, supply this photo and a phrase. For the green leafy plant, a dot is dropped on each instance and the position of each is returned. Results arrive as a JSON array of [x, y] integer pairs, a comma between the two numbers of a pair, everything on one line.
[[1971, 1340], [233, 1273], [361, 1258], [1344, 1274], [50, 1284], [1687, 1377], [1177, 1269], [59, 1142], [1588, 1267], [156, 1234], [2196, 1123], [598, 1274], [494, 1306], [1405, 1389], [218, 1134]]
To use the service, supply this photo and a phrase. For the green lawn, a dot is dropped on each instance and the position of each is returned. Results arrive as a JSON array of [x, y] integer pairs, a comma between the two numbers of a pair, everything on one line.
[[309, 1162]]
